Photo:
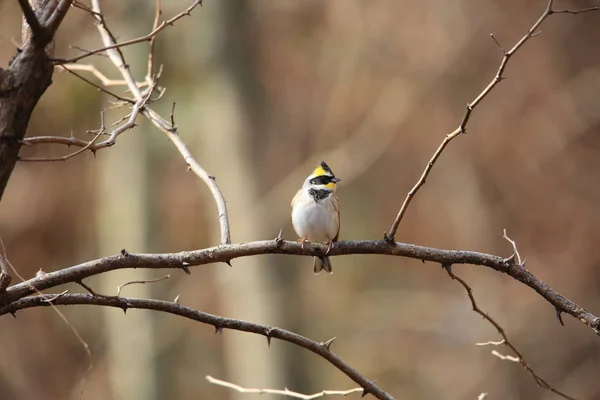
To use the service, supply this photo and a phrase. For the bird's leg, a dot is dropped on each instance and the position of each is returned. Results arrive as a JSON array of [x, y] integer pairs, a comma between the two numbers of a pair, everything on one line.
[[303, 240], [329, 244]]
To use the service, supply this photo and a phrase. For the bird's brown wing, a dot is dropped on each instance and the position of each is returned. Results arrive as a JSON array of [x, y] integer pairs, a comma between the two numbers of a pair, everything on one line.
[[296, 197], [336, 207]]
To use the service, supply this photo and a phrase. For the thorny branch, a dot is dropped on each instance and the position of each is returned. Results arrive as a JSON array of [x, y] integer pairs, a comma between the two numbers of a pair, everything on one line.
[[186, 259], [462, 127], [505, 340], [146, 38], [220, 323]]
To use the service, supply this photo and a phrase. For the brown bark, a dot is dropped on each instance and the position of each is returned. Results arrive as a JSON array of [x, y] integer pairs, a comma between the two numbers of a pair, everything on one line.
[[28, 76], [21, 86]]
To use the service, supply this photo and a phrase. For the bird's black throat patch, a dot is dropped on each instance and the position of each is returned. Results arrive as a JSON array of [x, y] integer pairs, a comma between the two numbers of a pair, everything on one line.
[[319, 194]]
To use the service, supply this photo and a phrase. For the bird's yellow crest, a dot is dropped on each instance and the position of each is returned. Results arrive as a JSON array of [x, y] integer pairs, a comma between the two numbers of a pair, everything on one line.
[[323, 169]]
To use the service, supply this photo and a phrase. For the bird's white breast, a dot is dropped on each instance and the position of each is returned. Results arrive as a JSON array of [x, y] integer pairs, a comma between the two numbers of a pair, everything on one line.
[[315, 221]]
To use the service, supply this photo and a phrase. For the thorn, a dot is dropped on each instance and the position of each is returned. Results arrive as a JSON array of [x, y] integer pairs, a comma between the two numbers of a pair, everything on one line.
[[423, 261], [447, 267], [559, 316], [228, 262], [279, 238], [212, 177], [14, 314], [268, 332], [176, 301], [510, 260], [218, 330], [186, 269], [124, 252], [523, 263], [364, 393], [124, 310], [328, 343], [188, 168]]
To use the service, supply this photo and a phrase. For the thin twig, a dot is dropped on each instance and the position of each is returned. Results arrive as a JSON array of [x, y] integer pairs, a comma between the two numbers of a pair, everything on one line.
[[150, 71], [220, 323], [66, 157], [519, 356], [583, 10], [106, 82], [284, 392], [390, 236], [120, 287], [141, 39], [49, 300], [118, 60]]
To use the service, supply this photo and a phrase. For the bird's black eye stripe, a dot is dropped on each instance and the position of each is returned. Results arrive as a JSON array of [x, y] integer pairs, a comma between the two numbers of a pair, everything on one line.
[[321, 180]]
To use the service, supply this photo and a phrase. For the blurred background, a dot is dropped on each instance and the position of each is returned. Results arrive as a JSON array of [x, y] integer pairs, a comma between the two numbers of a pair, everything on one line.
[[264, 91]]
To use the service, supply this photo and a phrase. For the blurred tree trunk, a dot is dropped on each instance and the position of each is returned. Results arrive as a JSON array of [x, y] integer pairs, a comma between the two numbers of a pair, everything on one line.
[[229, 113], [125, 202], [122, 222]]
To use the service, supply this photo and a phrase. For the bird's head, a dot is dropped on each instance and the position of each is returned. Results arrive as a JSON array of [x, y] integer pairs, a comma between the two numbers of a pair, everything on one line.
[[322, 177]]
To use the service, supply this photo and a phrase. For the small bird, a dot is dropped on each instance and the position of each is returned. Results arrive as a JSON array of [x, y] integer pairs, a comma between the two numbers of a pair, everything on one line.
[[316, 212]]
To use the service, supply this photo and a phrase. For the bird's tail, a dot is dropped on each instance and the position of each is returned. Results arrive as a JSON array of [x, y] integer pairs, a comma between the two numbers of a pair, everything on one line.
[[322, 263]]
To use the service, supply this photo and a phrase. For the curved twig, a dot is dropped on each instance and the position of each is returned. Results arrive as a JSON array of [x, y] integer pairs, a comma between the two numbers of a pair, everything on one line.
[[462, 128], [216, 254], [322, 349], [114, 52]]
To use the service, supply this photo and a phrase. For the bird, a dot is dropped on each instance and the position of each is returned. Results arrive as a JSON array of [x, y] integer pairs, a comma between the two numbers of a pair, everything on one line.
[[316, 212]]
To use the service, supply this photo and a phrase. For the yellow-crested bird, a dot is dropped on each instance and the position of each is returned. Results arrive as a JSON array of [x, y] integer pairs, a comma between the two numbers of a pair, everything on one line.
[[316, 212]]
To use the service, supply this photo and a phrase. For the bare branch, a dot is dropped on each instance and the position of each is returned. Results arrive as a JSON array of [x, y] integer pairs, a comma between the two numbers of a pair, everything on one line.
[[65, 158], [5, 277], [225, 253], [58, 15], [118, 60], [120, 287], [157, 15], [48, 300], [71, 141], [462, 128], [505, 340], [583, 10], [218, 322], [285, 392], [40, 35], [141, 39]]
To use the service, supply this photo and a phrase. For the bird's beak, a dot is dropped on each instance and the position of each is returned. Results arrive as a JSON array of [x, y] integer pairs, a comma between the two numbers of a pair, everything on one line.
[[335, 180]]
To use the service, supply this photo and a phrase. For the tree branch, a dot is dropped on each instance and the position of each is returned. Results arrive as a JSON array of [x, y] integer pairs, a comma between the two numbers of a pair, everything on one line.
[[462, 128], [285, 392], [40, 35], [5, 277], [141, 39], [186, 259], [220, 323], [541, 382]]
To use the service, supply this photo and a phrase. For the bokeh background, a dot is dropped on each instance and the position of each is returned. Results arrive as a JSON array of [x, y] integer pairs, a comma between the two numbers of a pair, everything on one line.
[[265, 90]]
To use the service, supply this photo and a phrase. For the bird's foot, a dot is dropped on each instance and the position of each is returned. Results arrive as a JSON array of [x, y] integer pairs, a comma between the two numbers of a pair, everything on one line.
[[302, 241], [329, 244]]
